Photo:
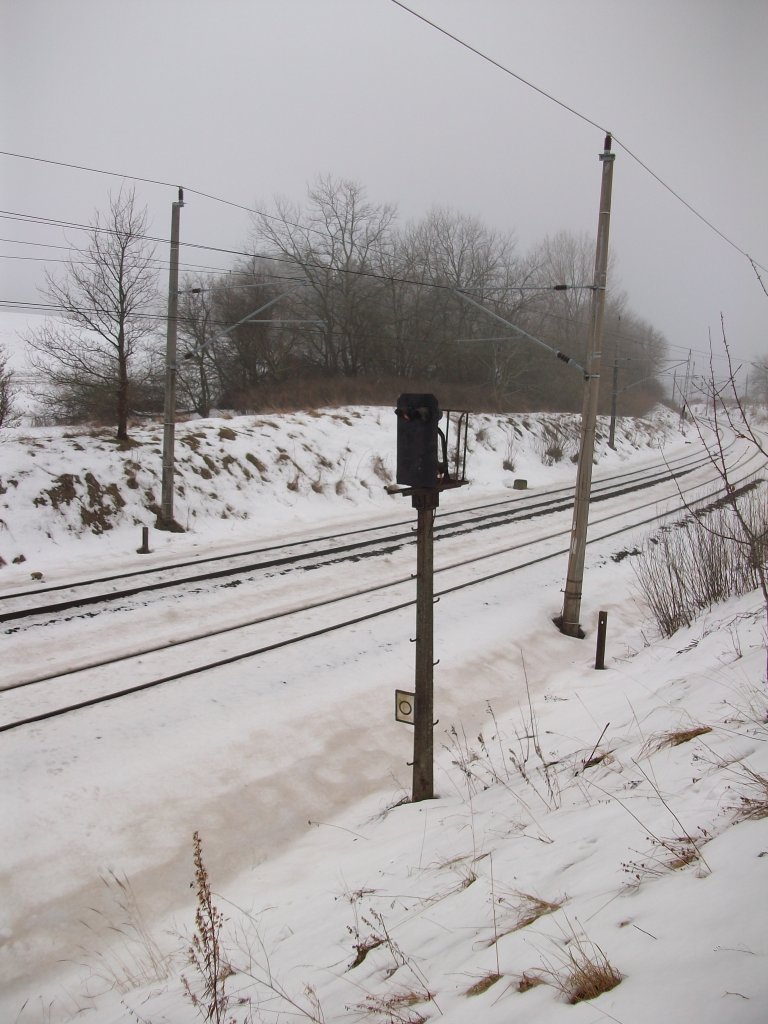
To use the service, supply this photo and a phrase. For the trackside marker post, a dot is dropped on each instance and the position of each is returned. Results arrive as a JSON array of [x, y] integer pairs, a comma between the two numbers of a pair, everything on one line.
[[602, 627]]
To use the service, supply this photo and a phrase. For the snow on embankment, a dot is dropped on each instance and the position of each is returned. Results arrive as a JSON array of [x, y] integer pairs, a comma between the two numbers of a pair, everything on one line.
[[258, 472]]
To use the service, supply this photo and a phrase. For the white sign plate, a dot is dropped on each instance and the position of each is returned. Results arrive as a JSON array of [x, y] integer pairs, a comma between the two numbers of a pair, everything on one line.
[[405, 702]]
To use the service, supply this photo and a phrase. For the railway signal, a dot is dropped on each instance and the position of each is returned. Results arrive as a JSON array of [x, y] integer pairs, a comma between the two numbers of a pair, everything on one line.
[[417, 440], [424, 466]]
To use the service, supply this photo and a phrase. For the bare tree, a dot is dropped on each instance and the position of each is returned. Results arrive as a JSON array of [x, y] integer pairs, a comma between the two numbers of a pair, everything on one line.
[[91, 360], [638, 352], [258, 338], [450, 251], [334, 244], [564, 259], [746, 521], [197, 377], [7, 391]]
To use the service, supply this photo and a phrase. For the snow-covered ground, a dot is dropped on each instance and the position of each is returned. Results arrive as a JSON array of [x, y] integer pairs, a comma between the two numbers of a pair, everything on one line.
[[581, 814], [72, 497]]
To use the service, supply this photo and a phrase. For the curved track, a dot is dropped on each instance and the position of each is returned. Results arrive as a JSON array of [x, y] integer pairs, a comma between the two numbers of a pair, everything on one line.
[[354, 544], [88, 684]]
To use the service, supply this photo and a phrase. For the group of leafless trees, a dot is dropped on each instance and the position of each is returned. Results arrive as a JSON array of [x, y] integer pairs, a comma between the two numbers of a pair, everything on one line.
[[337, 291], [337, 301]]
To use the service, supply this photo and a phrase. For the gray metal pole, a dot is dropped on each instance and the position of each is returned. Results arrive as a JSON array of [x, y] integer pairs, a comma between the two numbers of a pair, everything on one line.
[[167, 521], [686, 381], [569, 620], [614, 401], [423, 748]]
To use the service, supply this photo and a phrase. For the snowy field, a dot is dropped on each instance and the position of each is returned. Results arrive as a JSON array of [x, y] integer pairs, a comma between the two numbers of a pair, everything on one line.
[[605, 818]]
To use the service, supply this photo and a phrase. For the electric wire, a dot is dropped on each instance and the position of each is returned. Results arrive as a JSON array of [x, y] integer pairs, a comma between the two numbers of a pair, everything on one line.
[[583, 117], [188, 268], [157, 181], [61, 224], [289, 260], [483, 56], [227, 272], [501, 67]]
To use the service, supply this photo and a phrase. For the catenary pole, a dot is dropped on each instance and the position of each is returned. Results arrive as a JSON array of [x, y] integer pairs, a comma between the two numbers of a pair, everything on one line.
[[686, 383], [167, 521], [614, 400], [569, 620]]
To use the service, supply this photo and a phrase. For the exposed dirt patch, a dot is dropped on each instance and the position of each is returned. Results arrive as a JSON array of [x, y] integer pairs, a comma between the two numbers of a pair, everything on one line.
[[63, 492], [259, 465]]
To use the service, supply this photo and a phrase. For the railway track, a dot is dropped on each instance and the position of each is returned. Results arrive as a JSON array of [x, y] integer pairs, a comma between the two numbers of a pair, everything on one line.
[[40, 602], [48, 695]]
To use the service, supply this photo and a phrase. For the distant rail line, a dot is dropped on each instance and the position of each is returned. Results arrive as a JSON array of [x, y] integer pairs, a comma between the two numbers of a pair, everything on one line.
[[350, 545], [465, 520]]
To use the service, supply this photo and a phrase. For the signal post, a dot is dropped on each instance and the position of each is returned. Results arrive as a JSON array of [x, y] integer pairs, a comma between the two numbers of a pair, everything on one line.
[[423, 466]]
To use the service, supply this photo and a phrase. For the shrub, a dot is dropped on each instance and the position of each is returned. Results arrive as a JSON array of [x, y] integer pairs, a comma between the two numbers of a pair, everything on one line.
[[687, 568]]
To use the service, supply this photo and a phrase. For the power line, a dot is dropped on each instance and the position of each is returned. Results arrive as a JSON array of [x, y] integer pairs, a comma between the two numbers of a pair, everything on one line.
[[199, 268], [501, 67], [227, 272], [582, 117], [46, 308], [28, 218], [686, 204], [307, 266], [156, 181], [161, 263], [483, 56]]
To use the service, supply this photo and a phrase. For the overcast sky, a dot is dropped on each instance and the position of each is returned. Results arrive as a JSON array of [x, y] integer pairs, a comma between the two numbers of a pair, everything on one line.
[[245, 99]]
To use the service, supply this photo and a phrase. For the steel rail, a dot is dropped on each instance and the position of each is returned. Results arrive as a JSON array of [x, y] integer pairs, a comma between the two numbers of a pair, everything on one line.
[[513, 510], [324, 630]]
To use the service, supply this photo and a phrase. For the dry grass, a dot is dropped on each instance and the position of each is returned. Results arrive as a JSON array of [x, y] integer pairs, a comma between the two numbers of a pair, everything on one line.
[[393, 1009], [526, 909], [674, 738], [587, 978], [139, 960], [483, 984], [753, 805], [584, 972], [530, 908], [529, 980], [363, 947], [667, 854]]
